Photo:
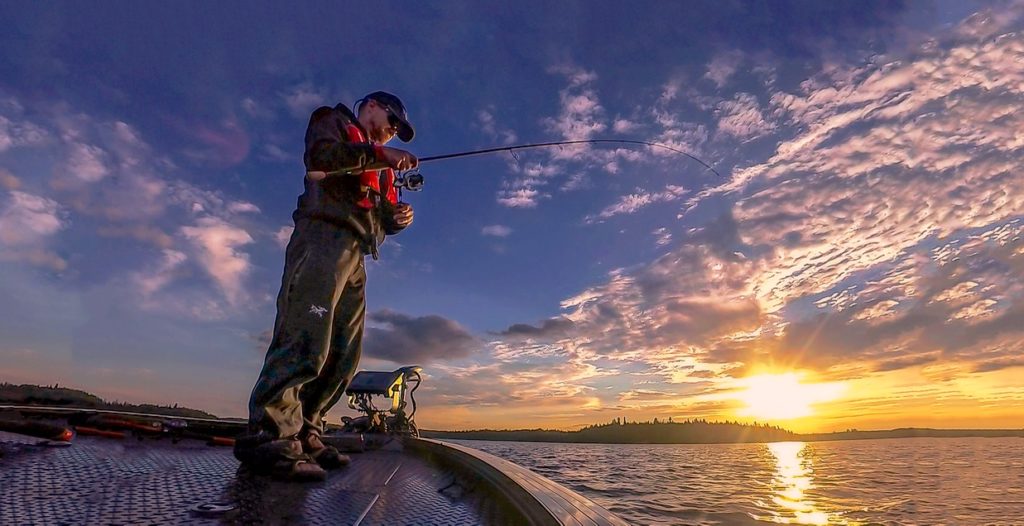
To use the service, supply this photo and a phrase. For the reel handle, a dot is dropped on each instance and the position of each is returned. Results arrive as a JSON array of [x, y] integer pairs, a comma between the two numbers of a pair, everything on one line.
[[411, 180]]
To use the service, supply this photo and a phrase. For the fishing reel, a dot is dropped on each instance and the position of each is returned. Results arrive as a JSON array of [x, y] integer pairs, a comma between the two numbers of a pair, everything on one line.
[[411, 180]]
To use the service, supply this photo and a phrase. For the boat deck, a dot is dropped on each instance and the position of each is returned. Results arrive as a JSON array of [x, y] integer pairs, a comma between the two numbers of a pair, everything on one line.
[[139, 479], [100, 481]]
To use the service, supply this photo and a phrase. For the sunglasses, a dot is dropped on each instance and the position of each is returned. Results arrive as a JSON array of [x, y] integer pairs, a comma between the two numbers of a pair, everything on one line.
[[392, 116]]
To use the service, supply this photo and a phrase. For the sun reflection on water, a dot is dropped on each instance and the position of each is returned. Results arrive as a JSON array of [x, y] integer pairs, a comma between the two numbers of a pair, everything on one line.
[[791, 480]]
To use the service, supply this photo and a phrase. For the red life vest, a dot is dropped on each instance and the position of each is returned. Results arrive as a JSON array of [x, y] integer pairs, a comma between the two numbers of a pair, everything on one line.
[[370, 180]]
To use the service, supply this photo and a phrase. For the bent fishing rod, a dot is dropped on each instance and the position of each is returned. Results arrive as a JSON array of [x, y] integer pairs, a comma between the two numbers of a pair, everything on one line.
[[412, 180]]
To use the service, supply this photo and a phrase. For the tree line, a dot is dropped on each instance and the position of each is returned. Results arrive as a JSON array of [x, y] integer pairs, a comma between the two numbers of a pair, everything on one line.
[[621, 431], [55, 395]]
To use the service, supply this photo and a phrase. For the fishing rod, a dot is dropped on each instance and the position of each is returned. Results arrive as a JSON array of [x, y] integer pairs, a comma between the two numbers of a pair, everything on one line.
[[412, 180], [563, 143]]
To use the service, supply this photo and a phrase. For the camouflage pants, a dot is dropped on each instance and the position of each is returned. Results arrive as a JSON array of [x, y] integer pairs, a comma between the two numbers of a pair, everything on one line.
[[318, 333]]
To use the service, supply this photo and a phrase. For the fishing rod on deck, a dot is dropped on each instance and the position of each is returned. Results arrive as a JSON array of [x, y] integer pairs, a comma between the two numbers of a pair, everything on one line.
[[413, 181]]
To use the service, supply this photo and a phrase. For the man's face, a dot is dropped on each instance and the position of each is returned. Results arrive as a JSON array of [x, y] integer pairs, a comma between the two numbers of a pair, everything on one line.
[[380, 128]]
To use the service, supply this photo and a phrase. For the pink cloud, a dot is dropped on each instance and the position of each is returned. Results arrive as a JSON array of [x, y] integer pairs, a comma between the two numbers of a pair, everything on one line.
[[27, 224], [15, 134], [521, 198], [283, 236], [581, 115], [218, 244], [225, 144], [742, 118], [631, 203]]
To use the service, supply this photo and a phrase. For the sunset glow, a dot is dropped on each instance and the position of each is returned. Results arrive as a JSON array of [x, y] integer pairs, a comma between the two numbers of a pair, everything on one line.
[[783, 397]]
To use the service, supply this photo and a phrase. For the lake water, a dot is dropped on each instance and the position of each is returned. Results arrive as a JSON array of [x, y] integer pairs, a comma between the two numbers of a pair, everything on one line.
[[921, 481]]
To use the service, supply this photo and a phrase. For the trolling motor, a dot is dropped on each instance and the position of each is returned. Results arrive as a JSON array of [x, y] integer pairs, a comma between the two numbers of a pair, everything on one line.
[[369, 387]]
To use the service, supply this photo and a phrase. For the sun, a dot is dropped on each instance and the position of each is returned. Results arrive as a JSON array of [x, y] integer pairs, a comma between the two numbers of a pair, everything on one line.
[[783, 396]]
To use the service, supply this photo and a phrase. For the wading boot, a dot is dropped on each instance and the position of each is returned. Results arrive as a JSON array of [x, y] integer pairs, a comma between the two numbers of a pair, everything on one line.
[[281, 459], [328, 457]]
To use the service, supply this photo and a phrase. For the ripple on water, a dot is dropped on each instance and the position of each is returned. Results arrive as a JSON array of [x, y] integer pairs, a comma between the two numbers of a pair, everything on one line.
[[904, 481]]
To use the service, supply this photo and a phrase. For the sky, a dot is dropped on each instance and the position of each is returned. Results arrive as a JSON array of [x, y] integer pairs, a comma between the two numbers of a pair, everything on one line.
[[857, 264]]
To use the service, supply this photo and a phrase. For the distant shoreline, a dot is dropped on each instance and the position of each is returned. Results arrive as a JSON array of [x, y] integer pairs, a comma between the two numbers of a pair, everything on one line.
[[651, 436], [618, 431], [912, 432], [57, 396]]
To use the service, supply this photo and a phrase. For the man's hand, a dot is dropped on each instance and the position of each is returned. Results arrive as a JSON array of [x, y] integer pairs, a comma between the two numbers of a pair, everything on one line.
[[400, 159], [403, 215]]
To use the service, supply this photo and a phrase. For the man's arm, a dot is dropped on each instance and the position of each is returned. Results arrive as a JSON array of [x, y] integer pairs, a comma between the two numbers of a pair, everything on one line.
[[328, 150]]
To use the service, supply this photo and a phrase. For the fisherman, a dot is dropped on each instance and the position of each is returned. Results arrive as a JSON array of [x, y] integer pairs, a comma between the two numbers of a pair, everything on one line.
[[318, 333]]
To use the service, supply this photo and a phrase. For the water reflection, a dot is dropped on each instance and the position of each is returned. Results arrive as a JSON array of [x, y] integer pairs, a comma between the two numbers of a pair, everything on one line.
[[792, 478]]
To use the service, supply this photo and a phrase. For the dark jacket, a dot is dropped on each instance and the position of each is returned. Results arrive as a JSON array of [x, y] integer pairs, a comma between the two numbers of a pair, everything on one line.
[[334, 198]]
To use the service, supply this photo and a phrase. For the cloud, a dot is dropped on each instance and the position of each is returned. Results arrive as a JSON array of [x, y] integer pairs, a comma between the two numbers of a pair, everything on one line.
[[520, 198], [27, 224], [723, 66], [405, 339], [87, 162], [683, 300], [223, 144], [838, 190], [487, 123], [576, 76], [521, 380], [302, 99], [577, 181], [921, 306], [742, 118], [262, 339], [893, 160], [18, 134], [273, 152], [283, 236], [199, 201], [496, 230], [242, 207], [8, 181], [582, 115], [697, 319], [631, 203], [881, 234], [147, 234], [26, 218], [550, 329], [218, 244], [15, 131], [624, 126], [168, 269], [105, 169], [663, 236], [108, 170], [256, 109]]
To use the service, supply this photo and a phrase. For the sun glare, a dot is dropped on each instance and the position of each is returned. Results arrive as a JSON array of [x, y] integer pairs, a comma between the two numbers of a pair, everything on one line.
[[783, 397]]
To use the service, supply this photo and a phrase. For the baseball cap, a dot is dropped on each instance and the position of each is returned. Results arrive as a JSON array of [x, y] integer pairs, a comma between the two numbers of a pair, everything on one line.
[[396, 113]]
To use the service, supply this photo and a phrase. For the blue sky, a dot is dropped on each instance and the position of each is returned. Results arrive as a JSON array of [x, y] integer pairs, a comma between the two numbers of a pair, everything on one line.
[[865, 231]]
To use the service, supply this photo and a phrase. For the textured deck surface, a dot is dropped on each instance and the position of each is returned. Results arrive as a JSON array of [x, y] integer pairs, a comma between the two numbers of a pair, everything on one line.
[[100, 481]]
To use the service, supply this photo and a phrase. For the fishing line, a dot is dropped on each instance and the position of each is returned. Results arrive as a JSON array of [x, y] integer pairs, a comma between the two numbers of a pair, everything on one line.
[[561, 143]]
